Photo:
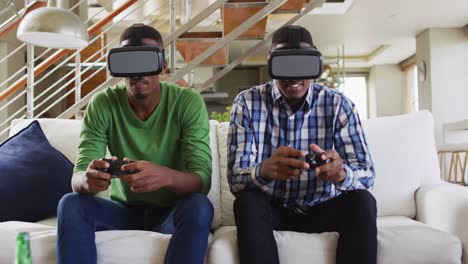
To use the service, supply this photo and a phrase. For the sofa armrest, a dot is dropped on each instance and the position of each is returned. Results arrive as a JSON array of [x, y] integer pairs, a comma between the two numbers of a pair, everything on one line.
[[445, 206]]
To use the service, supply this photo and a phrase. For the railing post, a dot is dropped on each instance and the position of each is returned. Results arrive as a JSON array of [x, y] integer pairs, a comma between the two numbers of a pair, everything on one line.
[[187, 11], [30, 81], [173, 44], [78, 83]]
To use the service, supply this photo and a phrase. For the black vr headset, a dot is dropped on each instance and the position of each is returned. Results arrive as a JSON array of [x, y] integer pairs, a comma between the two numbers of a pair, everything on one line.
[[293, 62], [135, 60]]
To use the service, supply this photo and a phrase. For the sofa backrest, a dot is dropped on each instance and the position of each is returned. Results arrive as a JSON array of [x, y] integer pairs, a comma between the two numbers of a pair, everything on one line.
[[404, 155]]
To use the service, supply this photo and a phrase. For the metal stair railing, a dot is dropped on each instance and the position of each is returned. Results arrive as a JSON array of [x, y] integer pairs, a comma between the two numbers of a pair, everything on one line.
[[62, 52], [193, 22], [87, 68], [69, 113], [81, 102], [208, 83], [47, 95], [13, 21], [22, 92]]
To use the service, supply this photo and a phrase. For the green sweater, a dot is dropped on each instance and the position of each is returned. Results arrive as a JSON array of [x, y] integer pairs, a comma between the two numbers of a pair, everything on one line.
[[176, 135]]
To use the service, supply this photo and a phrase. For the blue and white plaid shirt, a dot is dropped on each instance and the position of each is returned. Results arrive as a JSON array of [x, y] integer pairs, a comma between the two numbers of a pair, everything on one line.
[[262, 121]]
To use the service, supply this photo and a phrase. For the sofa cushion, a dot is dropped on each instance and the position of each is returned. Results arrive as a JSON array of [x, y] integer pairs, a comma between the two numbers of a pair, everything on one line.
[[116, 247], [400, 240], [52, 221], [140, 247], [227, 199], [404, 154], [42, 241], [214, 195], [34, 175], [63, 134], [293, 247], [403, 240], [113, 246]]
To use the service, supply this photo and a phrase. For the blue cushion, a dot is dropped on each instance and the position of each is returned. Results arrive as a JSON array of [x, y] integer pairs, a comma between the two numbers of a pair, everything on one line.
[[33, 176]]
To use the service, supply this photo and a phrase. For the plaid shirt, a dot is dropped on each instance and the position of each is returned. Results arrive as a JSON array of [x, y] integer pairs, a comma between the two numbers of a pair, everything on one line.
[[262, 121]]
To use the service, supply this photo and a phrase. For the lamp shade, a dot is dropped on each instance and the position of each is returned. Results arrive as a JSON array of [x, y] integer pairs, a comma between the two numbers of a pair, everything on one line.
[[53, 27]]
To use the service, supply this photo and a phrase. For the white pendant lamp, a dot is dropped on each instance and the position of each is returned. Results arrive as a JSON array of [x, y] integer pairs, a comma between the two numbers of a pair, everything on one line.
[[53, 27]]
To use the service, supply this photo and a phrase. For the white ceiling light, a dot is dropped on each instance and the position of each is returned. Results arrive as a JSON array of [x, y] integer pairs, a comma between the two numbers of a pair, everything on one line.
[[53, 27]]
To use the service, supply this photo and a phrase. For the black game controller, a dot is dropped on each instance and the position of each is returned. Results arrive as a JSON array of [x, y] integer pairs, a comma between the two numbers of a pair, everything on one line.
[[315, 160], [114, 168]]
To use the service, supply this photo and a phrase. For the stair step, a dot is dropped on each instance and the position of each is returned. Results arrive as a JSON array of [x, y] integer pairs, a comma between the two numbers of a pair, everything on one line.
[[192, 44], [291, 6], [234, 14], [245, 1], [201, 35]]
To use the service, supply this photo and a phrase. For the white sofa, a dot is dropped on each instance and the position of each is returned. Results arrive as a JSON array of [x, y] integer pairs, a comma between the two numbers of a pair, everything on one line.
[[421, 219]]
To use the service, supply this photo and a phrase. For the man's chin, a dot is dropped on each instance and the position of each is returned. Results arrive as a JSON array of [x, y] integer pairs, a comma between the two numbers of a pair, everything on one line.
[[140, 96]]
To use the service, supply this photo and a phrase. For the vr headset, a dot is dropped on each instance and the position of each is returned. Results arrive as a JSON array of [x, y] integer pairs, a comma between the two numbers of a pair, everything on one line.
[[293, 62], [135, 61]]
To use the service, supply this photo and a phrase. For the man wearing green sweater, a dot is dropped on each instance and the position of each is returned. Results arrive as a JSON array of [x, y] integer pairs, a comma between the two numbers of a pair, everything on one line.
[[164, 129]]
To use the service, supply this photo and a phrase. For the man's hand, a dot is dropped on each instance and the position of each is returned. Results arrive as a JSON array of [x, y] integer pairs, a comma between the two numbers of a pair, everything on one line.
[[284, 164], [333, 171], [150, 177], [93, 180]]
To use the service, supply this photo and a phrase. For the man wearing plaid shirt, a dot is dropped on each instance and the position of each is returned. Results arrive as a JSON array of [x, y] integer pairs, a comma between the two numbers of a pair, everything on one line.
[[273, 126]]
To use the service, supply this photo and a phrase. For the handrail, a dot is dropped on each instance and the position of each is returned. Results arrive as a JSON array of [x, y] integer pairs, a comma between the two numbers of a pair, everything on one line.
[[29, 8], [62, 52]]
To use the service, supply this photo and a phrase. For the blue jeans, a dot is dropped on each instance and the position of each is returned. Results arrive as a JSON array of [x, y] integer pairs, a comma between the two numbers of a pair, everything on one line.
[[80, 216]]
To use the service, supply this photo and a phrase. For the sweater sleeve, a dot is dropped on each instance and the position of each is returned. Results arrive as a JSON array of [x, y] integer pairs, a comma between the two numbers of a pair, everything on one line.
[[195, 137], [94, 131]]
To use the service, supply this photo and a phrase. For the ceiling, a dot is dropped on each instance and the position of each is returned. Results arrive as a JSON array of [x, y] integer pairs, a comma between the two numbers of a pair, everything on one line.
[[389, 27]]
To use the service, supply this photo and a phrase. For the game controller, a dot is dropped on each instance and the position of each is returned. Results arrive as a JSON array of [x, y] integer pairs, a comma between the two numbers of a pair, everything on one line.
[[315, 160], [114, 167]]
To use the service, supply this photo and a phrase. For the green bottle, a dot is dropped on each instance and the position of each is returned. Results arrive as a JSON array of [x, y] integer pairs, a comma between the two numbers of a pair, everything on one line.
[[23, 251]]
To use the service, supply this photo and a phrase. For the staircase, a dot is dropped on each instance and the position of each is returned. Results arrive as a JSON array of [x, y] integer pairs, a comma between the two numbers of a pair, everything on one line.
[[59, 83]]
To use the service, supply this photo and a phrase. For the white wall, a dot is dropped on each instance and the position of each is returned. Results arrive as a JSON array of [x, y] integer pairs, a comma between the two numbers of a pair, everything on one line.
[[386, 90], [445, 91], [371, 94], [236, 80], [201, 75]]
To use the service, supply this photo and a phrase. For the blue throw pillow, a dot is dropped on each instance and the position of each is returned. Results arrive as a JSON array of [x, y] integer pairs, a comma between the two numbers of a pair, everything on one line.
[[33, 176]]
